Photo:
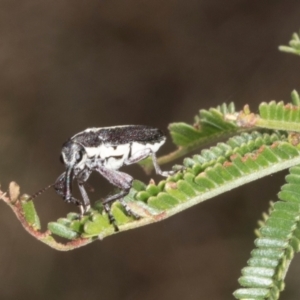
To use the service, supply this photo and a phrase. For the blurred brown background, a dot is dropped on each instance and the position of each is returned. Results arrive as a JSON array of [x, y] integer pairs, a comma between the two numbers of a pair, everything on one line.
[[69, 65]]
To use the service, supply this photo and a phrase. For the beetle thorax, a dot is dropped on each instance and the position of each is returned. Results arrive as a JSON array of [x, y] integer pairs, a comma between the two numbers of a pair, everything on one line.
[[106, 155]]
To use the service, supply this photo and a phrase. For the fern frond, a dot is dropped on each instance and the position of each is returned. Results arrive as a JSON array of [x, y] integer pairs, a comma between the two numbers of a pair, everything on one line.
[[278, 241]]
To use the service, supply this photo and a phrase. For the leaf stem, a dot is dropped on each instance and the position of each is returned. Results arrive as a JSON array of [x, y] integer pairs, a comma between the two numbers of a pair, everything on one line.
[[278, 125]]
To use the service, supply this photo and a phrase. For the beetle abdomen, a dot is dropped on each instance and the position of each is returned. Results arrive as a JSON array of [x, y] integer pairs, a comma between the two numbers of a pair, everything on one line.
[[119, 135]]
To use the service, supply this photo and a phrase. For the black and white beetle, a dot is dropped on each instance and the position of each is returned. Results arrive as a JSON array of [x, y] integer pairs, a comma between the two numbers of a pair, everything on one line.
[[106, 150]]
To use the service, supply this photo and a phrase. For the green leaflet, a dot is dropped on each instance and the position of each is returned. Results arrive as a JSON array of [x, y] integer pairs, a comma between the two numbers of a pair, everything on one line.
[[62, 230], [184, 134], [242, 144], [30, 214], [280, 116], [294, 45], [280, 112], [277, 243], [208, 123]]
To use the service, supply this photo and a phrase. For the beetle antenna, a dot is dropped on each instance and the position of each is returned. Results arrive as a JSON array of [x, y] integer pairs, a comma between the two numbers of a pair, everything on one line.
[[41, 191]]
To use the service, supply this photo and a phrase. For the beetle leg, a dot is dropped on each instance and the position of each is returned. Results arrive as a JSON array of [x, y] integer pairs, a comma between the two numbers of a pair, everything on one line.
[[142, 154], [82, 177], [118, 179], [60, 188], [111, 218], [122, 181]]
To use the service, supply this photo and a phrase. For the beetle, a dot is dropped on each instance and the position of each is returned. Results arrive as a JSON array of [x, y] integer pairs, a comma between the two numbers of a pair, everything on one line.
[[105, 150]]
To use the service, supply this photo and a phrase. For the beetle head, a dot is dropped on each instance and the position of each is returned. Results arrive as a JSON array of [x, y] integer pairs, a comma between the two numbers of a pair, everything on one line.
[[72, 155]]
